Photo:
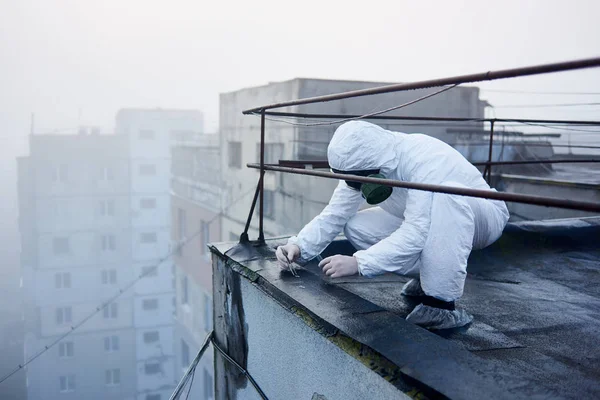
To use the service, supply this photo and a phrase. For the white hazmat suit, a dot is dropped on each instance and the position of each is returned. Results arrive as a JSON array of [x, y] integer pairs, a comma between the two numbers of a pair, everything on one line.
[[414, 233]]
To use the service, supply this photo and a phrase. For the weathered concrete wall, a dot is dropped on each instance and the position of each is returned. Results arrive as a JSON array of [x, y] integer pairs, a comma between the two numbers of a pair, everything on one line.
[[286, 357]]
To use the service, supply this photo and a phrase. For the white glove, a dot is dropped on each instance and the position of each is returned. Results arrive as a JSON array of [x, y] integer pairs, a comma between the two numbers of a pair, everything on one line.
[[293, 253], [338, 266]]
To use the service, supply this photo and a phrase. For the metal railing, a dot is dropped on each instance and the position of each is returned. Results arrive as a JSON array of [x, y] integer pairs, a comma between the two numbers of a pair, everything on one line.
[[263, 111]]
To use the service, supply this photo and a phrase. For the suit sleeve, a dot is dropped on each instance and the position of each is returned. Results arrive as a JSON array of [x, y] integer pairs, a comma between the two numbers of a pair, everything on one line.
[[319, 232]]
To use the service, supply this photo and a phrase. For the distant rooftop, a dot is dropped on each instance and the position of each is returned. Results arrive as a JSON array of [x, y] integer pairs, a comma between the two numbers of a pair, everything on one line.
[[535, 295], [157, 110], [373, 83]]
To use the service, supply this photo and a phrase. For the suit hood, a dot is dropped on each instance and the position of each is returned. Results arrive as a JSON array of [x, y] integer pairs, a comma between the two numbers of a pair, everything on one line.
[[360, 145]]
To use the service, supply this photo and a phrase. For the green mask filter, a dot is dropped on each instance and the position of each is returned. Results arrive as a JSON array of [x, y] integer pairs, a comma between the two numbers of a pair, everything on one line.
[[375, 193]]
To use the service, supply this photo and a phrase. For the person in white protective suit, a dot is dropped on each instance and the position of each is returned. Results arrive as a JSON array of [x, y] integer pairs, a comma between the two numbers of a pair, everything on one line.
[[424, 235]]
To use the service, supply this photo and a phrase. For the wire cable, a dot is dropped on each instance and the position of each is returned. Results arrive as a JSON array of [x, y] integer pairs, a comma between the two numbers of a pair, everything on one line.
[[535, 158], [190, 373], [562, 128], [242, 369], [122, 290], [372, 114], [191, 369], [190, 386]]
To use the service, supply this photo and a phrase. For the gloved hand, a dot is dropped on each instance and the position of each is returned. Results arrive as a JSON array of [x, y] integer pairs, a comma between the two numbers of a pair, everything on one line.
[[293, 253], [338, 266]]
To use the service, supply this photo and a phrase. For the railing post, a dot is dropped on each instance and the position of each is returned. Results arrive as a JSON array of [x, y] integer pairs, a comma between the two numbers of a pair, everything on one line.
[[261, 183], [488, 167], [244, 236]]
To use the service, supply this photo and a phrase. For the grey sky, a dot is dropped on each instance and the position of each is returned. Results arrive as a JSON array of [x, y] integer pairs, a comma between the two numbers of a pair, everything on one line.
[[72, 61]]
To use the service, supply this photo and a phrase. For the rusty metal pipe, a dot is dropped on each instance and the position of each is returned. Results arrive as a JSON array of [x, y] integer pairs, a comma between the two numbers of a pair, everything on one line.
[[478, 77], [244, 236], [485, 194], [488, 166], [523, 162], [439, 119], [261, 183], [325, 164]]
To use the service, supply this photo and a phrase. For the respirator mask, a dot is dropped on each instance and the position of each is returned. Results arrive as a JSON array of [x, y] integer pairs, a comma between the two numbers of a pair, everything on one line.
[[373, 193]]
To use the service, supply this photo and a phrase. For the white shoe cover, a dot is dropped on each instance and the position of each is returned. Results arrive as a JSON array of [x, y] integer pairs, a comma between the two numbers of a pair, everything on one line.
[[437, 318]]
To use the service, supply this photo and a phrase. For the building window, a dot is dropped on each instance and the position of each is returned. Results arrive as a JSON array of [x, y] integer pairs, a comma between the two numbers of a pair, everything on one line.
[[107, 174], [63, 315], [147, 134], [207, 313], [184, 290], [109, 243], [112, 377], [148, 203], [147, 169], [62, 280], [185, 354], [67, 383], [208, 385], [234, 237], [150, 304], [60, 245], [60, 209], [153, 397], [269, 208], [107, 208], [308, 149], [60, 173], [66, 349], [111, 311], [204, 237], [181, 224], [151, 337], [111, 344], [273, 152], [152, 368], [149, 271], [235, 154], [109, 276], [148, 237]]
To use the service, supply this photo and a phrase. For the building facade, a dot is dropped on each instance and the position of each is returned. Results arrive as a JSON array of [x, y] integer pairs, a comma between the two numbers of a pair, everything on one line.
[[94, 215], [150, 133], [196, 205], [290, 200], [75, 252]]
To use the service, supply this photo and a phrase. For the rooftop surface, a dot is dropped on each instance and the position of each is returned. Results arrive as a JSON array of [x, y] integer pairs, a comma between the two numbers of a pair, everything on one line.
[[535, 296], [581, 173], [574, 175]]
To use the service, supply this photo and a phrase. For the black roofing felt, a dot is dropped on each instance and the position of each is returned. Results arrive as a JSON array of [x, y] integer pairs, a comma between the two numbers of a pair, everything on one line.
[[535, 295]]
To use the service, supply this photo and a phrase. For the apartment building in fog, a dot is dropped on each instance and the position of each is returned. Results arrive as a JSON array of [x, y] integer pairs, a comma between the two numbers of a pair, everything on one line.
[[149, 133], [196, 204], [95, 214], [74, 200]]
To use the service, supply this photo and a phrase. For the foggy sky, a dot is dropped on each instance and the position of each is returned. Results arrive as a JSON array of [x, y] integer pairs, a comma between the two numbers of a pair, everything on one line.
[[77, 61]]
